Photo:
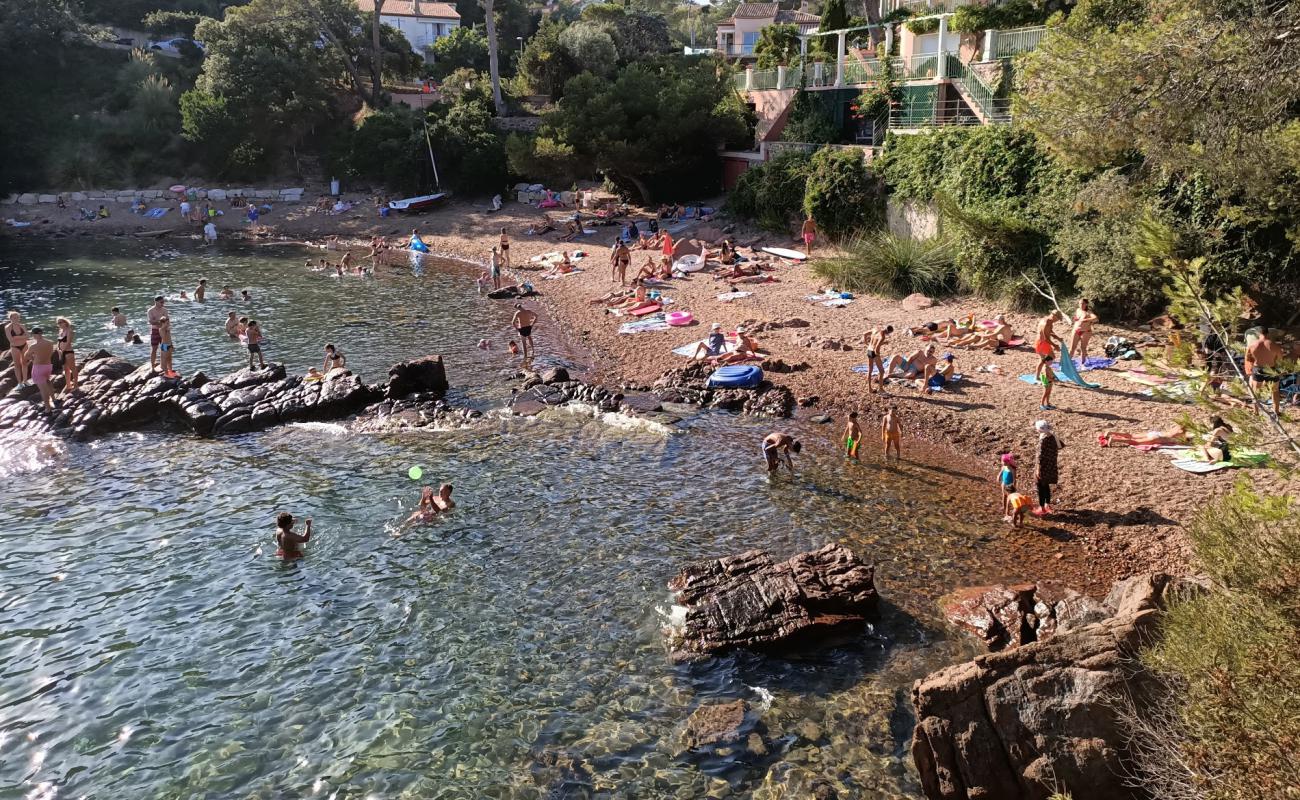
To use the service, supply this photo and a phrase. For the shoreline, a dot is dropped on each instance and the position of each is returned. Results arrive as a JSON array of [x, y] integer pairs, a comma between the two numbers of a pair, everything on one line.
[[1120, 511]]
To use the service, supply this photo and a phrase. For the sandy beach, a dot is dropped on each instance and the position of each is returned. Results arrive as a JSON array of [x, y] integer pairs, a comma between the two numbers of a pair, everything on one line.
[[1121, 510]]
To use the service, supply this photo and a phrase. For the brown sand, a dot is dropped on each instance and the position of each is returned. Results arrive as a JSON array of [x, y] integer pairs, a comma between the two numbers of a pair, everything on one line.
[[1120, 510]]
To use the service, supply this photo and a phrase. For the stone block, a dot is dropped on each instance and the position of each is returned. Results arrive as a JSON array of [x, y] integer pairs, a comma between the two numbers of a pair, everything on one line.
[[78, 197], [216, 194], [27, 199], [264, 194], [154, 194], [9, 200], [48, 198]]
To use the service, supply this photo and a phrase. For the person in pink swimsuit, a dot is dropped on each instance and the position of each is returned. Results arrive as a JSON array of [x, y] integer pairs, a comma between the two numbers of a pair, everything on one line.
[[40, 357]]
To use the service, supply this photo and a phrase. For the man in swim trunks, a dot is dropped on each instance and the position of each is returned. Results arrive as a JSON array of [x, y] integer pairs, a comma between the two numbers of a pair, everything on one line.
[[245, 296], [523, 322], [16, 333], [254, 334], [891, 432], [874, 340], [232, 326], [201, 289], [1043, 344], [809, 232], [852, 436], [156, 312], [40, 356], [443, 501], [165, 344], [119, 319], [287, 542], [911, 366], [494, 268], [777, 447], [1261, 357], [226, 293]]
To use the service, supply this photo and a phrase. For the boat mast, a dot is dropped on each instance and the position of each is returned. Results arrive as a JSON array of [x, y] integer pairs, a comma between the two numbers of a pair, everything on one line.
[[429, 144]]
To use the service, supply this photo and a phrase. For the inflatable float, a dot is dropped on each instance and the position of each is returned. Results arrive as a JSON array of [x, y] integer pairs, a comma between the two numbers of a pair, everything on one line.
[[641, 311], [679, 318], [736, 376], [793, 255], [690, 263]]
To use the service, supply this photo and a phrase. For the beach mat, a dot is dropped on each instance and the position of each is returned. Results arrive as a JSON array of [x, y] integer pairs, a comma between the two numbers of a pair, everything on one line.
[[688, 350], [156, 213], [658, 322], [1072, 373], [1241, 459], [729, 296]]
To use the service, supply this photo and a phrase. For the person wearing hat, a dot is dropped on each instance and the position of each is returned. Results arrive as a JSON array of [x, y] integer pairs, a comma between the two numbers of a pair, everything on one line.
[[937, 377], [714, 346], [746, 348], [1045, 467]]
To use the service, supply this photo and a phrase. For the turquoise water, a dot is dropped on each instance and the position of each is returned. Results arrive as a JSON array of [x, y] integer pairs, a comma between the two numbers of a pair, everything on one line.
[[151, 645]]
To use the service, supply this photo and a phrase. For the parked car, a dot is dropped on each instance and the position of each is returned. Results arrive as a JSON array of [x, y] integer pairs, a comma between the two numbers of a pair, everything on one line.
[[175, 47]]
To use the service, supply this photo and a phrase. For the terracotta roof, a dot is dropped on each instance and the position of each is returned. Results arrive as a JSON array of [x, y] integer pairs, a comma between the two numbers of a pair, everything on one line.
[[406, 8], [755, 10], [797, 17]]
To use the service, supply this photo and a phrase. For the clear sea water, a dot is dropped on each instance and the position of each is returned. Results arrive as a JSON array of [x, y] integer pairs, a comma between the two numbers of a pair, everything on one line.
[[151, 645]]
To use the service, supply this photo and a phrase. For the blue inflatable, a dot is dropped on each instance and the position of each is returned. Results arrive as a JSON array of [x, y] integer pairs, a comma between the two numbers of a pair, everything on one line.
[[736, 376], [418, 245]]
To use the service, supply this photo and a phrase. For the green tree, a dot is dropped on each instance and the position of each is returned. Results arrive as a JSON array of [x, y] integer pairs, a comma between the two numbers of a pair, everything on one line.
[[777, 45], [811, 122], [591, 47], [842, 195], [463, 48], [545, 65], [160, 23]]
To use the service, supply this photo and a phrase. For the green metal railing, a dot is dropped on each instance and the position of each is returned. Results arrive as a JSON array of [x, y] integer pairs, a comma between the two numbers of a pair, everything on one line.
[[993, 108], [1014, 42]]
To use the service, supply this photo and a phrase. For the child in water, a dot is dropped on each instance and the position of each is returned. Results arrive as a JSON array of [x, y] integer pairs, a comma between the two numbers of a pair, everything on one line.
[[852, 436]]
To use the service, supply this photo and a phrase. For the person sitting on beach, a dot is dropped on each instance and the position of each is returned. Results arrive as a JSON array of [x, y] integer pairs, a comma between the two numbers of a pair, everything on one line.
[[1175, 435], [119, 319], [638, 298], [545, 226], [736, 271], [995, 339], [287, 542], [184, 296], [562, 267], [647, 271], [713, 346], [103, 212], [910, 366], [653, 242], [728, 255], [777, 447], [874, 342], [1215, 448], [334, 359], [572, 230], [936, 377], [746, 349], [665, 271]]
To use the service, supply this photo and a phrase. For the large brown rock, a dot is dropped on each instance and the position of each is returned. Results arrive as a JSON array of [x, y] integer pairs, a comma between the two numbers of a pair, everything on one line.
[[1011, 616], [425, 375], [754, 602], [1027, 722]]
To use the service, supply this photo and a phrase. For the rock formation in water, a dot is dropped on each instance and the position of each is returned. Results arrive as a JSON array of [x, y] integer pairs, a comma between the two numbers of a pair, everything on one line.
[[689, 384], [1016, 615], [1043, 716], [116, 395], [754, 602]]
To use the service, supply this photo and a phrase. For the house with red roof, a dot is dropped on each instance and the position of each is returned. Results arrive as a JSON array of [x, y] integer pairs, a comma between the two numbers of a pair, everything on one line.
[[737, 35], [421, 22]]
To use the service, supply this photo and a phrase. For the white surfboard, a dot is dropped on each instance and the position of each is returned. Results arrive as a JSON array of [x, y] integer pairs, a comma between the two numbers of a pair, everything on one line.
[[793, 255]]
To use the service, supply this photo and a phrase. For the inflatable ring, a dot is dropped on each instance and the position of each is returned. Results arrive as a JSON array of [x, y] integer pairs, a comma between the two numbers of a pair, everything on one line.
[[678, 318], [736, 376]]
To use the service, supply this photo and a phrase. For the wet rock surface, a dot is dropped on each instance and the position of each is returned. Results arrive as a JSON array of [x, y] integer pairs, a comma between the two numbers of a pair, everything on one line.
[[1042, 717], [754, 602], [115, 395], [689, 384]]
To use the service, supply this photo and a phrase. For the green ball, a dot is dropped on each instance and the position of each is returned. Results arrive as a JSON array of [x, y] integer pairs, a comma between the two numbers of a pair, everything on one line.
[[415, 473]]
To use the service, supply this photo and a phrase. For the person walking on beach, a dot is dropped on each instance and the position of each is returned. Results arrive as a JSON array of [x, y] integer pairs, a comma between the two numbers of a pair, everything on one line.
[[809, 232], [40, 355], [619, 260], [67, 356], [1082, 331], [504, 247], [874, 340], [1043, 345], [254, 334], [891, 433], [1261, 357], [288, 543], [852, 436], [156, 312], [16, 333], [777, 448], [523, 322], [1046, 473], [1046, 376]]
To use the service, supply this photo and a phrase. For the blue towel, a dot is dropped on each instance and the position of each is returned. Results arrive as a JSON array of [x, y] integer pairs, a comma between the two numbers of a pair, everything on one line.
[[1071, 373], [156, 213]]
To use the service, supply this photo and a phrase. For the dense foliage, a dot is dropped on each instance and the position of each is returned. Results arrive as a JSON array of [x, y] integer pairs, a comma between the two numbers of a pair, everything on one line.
[[772, 194], [841, 194], [463, 48], [606, 38], [777, 45]]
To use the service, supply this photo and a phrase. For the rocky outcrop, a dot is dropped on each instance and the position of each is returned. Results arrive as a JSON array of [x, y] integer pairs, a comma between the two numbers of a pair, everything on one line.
[[1042, 717], [116, 395], [754, 602], [689, 384], [1012, 616]]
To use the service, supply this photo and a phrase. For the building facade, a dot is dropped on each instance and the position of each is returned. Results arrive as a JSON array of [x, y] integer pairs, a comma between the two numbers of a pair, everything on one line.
[[737, 36], [422, 23]]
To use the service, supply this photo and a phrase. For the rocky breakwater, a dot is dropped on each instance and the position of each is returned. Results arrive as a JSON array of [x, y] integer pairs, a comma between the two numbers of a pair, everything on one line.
[[689, 384], [755, 602], [116, 395], [1044, 716]]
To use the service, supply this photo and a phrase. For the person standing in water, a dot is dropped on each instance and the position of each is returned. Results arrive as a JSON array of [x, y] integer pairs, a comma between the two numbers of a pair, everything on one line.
[[210, 232], [523, 322], [494, 269], [891, 433], [777, 448], [66, 340], [1046, 472], [852, 436], [288, 543], [201, 290], [40, 355], [156, 312], [165, 346], [232, 325], [16, 333], [119, 319]]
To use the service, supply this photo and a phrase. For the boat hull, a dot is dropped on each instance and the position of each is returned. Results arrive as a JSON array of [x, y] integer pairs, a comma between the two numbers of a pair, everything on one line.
[[422, 203]]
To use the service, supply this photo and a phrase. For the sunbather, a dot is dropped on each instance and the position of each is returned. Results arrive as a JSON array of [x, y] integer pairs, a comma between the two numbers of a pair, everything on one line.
[[911, 366], [1215, 448], [653, 242], [648, 270], [637, 299], [545, 226], [945, 327], [1173, 436], [746, 349], [995, 339], [736, 271], [562, 267]]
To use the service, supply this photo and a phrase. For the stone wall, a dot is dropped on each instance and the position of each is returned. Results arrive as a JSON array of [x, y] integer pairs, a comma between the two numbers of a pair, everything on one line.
[[912, 220], [151, 196]]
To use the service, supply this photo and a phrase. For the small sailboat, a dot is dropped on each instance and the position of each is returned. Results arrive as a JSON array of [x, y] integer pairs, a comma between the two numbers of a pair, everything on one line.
[[424, 202]]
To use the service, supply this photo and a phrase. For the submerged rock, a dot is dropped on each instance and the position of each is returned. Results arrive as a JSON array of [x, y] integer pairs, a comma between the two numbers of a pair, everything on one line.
[[752, 601]]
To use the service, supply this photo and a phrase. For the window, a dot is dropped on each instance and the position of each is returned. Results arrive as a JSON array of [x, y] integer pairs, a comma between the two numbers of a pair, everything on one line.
[[750, 39]]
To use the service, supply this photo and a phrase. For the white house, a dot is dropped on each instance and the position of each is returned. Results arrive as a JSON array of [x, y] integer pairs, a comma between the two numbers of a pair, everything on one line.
[[422, 23]]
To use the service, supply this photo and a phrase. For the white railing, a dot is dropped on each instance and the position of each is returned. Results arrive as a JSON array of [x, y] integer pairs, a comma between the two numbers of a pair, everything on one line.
[[921, 7], [1010, 43]]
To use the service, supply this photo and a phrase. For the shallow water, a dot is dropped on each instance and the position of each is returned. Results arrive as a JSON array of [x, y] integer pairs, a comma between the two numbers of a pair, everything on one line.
[[151, 645]]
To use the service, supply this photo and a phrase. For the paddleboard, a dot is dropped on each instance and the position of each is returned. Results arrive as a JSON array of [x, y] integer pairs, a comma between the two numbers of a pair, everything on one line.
[[793, 255]]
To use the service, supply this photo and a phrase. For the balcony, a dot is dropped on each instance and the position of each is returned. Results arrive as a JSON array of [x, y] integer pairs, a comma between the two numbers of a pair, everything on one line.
[[923, 7], [734, 50]]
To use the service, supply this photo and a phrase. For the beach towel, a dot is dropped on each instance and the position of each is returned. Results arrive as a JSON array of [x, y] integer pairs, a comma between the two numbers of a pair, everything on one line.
[[729, 296], [558, 275], [933, 384], [688, 350], [1033, 379], [838, 302], [1091, 363], [1145, 378], [1176, 392], [1241, 459], [865, 369], [1072, 373], [653, 323], [156, 213]]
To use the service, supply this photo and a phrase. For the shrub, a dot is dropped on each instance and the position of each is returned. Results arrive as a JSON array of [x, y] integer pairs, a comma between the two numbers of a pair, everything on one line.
[[772, 194], [894, 266], [810, 122], [841, 194]]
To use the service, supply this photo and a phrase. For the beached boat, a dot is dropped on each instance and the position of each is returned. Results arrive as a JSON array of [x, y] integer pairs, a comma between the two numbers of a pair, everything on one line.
[[422, 203]]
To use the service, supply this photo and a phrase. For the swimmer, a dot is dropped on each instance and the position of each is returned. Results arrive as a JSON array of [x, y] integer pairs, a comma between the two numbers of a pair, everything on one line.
[[119, 319], [346, 261], [777, 447], [713, 346], [242, 328], [891, 432], [334, 359], [184, 296], [226, 294], [935, 378], [201, 290], [514, 348], [484, 344], [232, 325], [432, 504], [286, 540], [132, 337], [313, 375], [852, 436], [244, 295]]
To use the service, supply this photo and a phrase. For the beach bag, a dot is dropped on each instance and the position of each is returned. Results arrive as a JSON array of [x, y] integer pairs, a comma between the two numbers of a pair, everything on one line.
[[1116, 346]]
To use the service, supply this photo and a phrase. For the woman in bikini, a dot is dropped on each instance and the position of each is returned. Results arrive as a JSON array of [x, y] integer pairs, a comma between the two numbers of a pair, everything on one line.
[[1174, 436], [16, 332], [65, 343], [1083, 320], [334, 359]]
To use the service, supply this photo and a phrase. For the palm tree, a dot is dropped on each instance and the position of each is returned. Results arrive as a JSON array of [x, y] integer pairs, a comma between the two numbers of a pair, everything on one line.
[[493, 67]]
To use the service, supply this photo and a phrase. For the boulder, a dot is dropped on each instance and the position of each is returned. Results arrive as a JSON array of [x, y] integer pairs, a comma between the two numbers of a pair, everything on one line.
[[555, 375], [27, 199], [916, 302], [426, 374], [714, 723], [1011, 616], [754, 602], [216, 194], [48, 198], [9, 200]]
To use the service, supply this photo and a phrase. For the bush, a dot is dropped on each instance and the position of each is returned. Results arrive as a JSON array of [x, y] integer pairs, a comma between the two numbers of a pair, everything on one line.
[[894, 266], [810, 122], [464, 48], [841, 194], [772, 194]]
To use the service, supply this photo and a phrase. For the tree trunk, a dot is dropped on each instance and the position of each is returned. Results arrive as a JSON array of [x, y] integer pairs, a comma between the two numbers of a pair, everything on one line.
[[493, 66], [376, 58], [644, 190], [351, 68]]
